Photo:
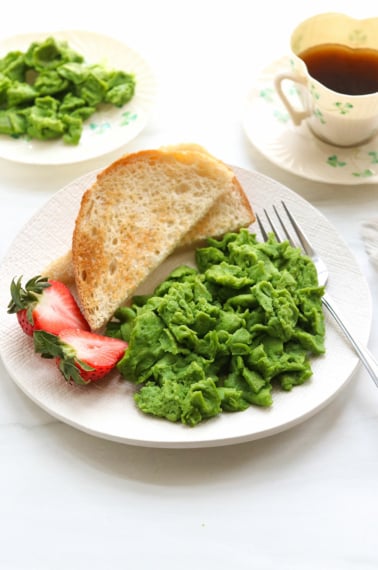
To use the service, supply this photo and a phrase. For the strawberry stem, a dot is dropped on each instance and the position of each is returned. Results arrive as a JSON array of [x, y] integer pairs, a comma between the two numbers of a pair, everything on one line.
[[23, 298], [47, 345], [50, 346], [70, 371]]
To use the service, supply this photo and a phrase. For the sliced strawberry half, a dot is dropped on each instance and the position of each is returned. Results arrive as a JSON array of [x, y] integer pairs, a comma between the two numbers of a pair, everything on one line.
[[45, 304], [81, 356]]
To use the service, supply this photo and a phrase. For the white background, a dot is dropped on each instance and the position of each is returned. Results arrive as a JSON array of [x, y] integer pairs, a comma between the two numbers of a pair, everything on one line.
[[304, 499]]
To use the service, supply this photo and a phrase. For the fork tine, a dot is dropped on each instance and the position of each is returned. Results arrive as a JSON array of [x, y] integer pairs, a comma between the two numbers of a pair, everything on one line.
[[283, 226], [262, 228], [299, 238], [273, 228], [308, 249]]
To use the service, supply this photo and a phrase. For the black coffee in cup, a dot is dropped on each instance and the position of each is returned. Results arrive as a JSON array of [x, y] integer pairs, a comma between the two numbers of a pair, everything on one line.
[[352, 71]]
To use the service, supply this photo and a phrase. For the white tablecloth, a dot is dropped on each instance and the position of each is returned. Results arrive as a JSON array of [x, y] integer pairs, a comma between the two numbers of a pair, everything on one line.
[[306, 498]]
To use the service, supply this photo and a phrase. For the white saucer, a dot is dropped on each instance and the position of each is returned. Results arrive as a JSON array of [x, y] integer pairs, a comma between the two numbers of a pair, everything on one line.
[[269, 128]]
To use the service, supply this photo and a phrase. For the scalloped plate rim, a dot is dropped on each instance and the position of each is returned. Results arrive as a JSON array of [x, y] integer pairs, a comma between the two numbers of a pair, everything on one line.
[[106, 409]]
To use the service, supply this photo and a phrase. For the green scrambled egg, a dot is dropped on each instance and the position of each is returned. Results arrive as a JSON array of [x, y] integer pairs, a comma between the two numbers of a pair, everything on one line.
[[220, 337], [49, 91]]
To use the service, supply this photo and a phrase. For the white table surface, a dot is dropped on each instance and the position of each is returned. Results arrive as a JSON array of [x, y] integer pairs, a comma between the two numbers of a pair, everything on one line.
[[306, 498]]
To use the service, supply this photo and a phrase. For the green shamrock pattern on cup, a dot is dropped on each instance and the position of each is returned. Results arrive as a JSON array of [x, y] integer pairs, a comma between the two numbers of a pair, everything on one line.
[[362, 163], [343, 108]]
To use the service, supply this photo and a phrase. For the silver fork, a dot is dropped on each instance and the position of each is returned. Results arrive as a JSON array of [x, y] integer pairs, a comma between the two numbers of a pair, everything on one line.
[[296, 237]]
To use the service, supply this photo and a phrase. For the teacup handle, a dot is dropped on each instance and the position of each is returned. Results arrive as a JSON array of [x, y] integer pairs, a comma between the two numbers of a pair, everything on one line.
[[296, 116]]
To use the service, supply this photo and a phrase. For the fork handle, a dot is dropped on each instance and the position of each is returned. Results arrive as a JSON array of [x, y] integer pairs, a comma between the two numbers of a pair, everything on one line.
[[363, 352]]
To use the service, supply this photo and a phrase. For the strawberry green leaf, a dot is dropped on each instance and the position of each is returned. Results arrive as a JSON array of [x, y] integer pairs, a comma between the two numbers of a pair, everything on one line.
[[24, 298], [47, 345], [50, 346], [69, 369]]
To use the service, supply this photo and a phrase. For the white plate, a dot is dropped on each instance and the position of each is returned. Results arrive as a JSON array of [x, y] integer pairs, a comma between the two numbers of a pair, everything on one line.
[[106, 409], [269, 128], [106, 130]]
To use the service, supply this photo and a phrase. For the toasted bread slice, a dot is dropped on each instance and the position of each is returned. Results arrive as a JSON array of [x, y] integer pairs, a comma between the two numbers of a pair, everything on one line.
[[229, 213], [133, 217]]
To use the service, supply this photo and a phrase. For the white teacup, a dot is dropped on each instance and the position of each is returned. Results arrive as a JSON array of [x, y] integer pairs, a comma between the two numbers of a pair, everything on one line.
[[341, 108]]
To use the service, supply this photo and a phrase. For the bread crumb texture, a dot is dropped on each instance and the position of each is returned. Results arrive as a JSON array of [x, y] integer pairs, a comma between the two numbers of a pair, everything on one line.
[[135, 214]]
